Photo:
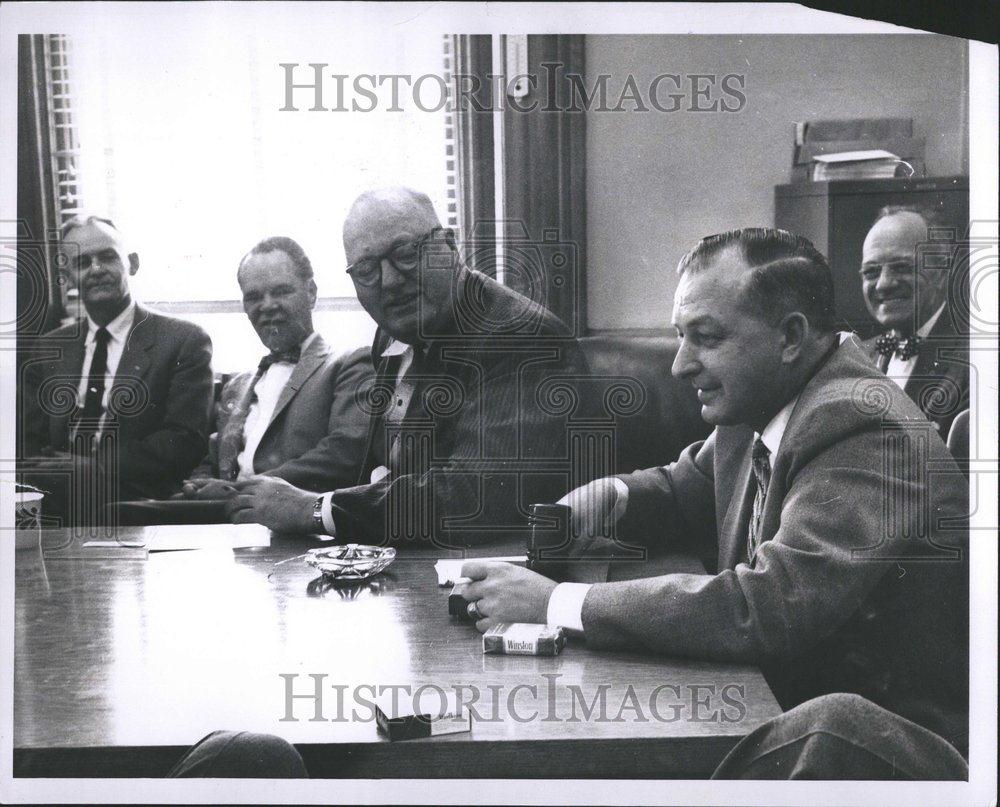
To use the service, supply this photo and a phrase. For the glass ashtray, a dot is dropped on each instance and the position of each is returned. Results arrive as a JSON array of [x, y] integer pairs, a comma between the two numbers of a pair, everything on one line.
[[351, 562]]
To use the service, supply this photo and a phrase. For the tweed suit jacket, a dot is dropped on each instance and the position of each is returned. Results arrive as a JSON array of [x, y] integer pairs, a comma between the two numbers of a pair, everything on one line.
[[159, 403], [861, 582], [315, 438], [939, 383], [478, 446]]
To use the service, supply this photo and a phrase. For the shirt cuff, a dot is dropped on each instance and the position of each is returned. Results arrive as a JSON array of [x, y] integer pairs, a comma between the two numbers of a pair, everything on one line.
[[327, 512], [621, 502], [565, 607]]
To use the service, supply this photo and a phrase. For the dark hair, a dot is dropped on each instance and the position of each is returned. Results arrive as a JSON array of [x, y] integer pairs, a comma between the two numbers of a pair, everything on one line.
[[282, 243], [786, 273], [81, 221]]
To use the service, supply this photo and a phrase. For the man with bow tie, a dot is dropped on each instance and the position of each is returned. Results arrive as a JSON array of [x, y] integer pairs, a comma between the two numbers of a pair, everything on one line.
[[115, 405], [296, 416], [825, 573], [905, 281]]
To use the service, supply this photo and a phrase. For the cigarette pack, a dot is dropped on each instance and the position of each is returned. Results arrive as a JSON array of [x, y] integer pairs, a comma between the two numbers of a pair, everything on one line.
[[435, 712], [524, 639]]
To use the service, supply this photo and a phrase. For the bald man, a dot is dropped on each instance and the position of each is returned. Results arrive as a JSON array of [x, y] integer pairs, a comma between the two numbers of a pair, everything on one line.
[[905, 281], [116, 404], [458, 444]]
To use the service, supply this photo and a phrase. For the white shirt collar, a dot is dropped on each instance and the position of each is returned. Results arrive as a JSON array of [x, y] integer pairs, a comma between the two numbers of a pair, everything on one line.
[[775, 430], [396, 348], [927, 326], [118, 328], [307, 341]]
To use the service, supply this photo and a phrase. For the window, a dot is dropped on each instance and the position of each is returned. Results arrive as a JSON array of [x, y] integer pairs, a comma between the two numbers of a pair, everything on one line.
[[182, 144]]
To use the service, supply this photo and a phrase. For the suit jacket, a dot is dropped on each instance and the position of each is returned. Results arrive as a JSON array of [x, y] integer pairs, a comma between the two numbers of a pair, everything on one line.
[[159, 402], [861, 582], [315, 438], [478, 442], [939, 383]]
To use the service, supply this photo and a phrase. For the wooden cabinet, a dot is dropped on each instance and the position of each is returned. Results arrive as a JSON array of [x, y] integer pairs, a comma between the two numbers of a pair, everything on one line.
[[836, 216]]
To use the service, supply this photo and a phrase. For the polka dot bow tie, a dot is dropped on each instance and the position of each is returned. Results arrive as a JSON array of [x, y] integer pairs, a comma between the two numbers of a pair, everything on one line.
[[889, 344]]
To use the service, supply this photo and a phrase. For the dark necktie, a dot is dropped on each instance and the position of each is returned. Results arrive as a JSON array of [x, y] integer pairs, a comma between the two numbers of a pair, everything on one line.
[[233, 437], [761, 463], [89, 416]]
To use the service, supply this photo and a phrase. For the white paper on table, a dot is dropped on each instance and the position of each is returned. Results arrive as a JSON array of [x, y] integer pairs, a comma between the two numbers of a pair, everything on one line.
[[208, 536], [196, 536], [449, 571]]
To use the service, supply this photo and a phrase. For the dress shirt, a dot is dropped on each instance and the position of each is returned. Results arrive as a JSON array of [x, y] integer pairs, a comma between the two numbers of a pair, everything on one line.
[[394, 348], [565, 606], [118, 330], [267, 390], [899, 370]]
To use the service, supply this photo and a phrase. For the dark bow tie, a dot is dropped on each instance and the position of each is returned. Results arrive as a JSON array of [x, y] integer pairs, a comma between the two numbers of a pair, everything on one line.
[[890, 344], [291, 356]]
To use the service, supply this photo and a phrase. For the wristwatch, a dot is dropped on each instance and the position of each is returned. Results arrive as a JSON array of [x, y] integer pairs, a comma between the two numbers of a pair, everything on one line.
[[318, 525]]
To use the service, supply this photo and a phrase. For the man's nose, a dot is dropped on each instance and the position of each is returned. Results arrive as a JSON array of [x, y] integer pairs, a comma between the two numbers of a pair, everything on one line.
[[886, 279], [685, 363], [268, 302], [391, 276]]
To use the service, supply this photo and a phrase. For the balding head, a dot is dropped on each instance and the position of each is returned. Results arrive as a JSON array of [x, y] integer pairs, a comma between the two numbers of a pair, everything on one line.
[[402, 262], [901, 288], [391, 209]]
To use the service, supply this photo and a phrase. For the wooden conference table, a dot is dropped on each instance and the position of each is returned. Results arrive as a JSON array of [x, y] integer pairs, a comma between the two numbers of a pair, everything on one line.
[[122, 663]]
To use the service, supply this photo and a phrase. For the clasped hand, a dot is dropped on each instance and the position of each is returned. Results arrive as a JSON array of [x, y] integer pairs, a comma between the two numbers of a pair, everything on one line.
[[272, 502], [505, 593]]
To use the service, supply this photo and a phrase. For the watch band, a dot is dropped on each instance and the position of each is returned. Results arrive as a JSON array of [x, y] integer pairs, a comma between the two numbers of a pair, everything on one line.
[[318, 525]]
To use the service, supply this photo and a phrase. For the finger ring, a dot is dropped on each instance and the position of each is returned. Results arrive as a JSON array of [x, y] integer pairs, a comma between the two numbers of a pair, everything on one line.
[[473, 609]]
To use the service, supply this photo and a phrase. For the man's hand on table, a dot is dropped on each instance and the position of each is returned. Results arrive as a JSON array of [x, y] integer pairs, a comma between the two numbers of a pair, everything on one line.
[[205, 489], [272, 502], [593, 515], [505, 593]]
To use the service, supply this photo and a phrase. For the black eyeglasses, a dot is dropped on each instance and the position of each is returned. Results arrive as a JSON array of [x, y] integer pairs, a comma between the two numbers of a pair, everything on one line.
[[405, 257]]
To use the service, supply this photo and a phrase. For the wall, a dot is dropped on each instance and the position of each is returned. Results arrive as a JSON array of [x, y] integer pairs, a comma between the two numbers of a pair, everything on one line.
[[657, 182]]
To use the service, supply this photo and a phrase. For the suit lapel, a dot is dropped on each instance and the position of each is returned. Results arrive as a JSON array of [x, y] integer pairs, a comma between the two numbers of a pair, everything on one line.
[[135, 360], [937, 362], [68, 365], [308, 363], [736, 525]]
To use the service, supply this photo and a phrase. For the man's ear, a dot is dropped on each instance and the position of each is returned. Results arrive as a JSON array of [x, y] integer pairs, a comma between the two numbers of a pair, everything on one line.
[[133, 263], [312, 293], [794, 333]]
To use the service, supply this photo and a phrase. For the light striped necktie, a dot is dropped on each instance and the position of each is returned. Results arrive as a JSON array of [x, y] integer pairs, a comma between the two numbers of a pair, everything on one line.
[[761, 463]]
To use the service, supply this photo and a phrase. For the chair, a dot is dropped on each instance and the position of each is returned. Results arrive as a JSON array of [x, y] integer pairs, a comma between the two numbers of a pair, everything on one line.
[[958, 440]]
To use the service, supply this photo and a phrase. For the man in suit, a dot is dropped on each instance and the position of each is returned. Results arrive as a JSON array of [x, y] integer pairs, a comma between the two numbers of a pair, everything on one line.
[[459, 442], [836, 570], [115, 405], [296, 417], [905, 280]]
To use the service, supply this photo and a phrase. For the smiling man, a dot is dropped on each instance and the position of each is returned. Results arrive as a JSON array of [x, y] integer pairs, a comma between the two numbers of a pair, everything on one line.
[[905, 280], [458, 442], [859, 621], [297, 416], [115, 405]]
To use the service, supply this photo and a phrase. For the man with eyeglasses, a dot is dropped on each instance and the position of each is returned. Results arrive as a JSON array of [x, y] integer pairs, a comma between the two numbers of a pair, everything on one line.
[[905, 281], [115, 404], [459, 444]]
